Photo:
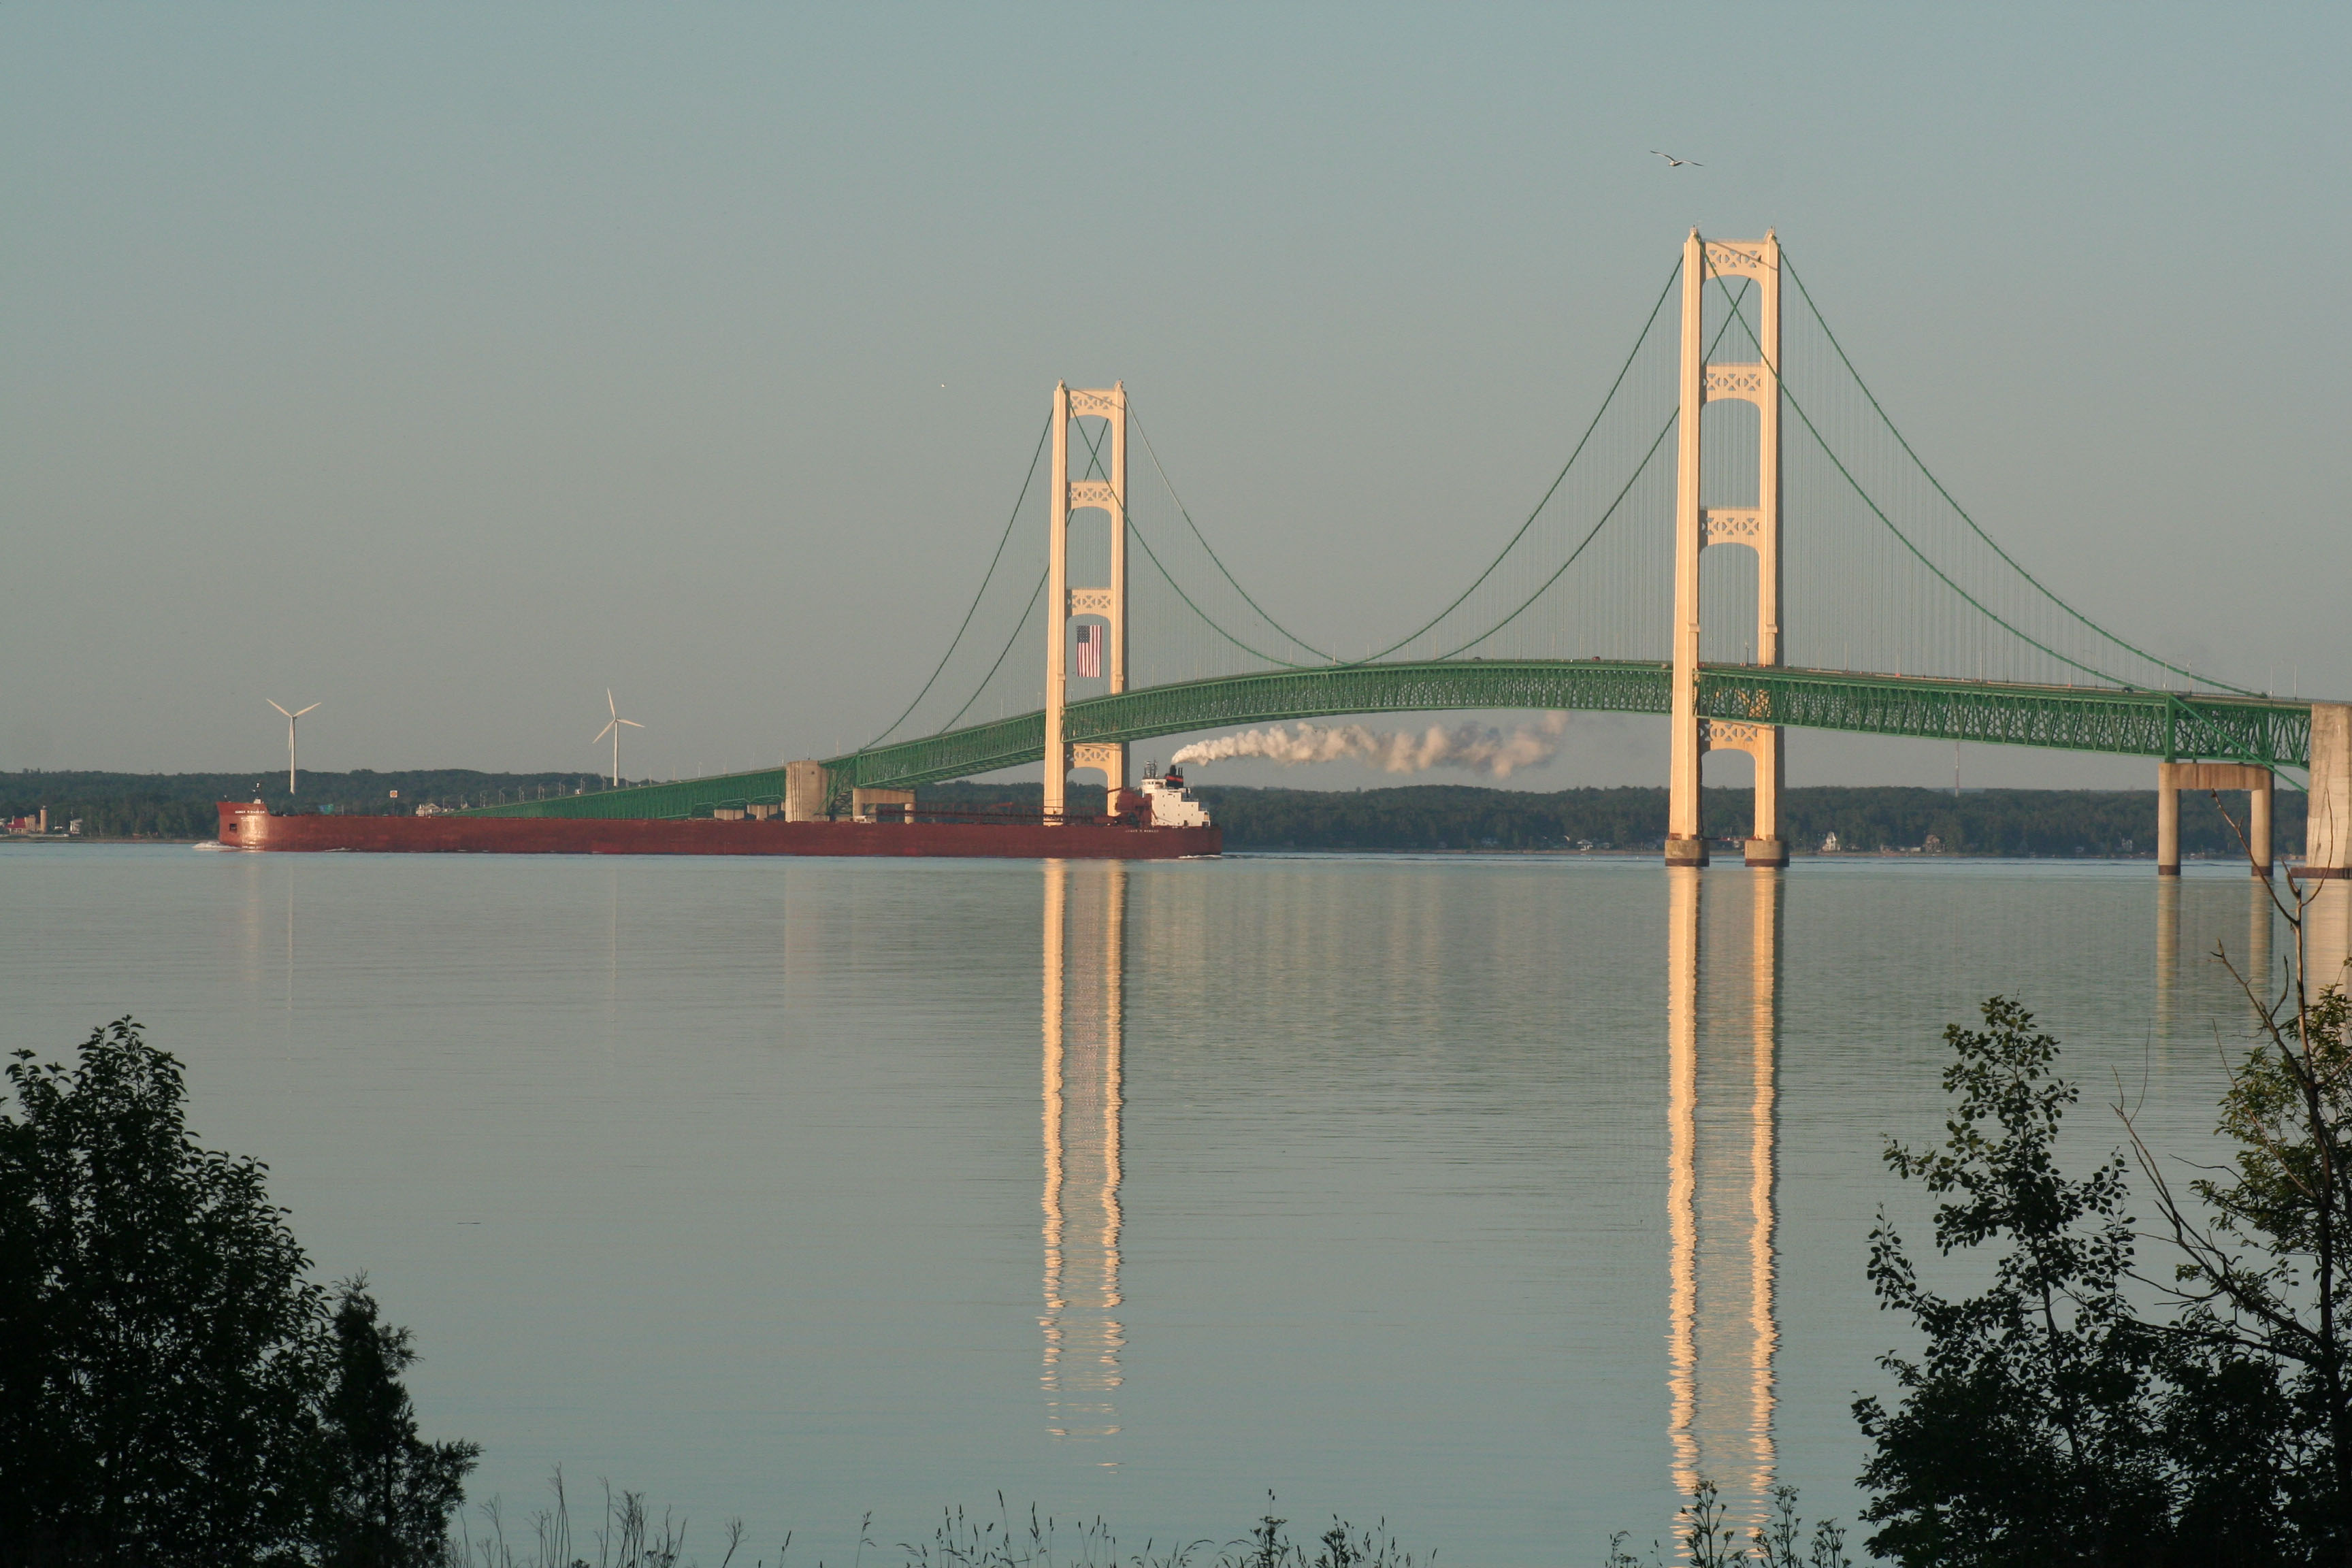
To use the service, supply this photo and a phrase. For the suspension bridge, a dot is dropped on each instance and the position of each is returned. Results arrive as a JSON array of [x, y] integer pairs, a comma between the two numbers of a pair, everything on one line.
[[1653, 574]]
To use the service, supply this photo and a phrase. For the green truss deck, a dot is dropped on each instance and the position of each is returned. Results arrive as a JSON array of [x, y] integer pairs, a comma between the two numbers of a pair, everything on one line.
[[2180, 726]]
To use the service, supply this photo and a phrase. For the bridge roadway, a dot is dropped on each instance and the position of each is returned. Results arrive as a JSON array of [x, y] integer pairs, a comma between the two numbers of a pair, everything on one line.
[[2165, 725]]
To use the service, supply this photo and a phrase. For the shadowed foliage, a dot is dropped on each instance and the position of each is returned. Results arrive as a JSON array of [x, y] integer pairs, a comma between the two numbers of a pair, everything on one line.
[[386, 1496], [173, 1387], [1425, 816], [2052, 1418]]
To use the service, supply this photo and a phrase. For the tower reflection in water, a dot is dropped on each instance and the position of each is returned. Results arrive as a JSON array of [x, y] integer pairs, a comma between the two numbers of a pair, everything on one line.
[[1722, 1194], [1084, 986], [2214, 932]]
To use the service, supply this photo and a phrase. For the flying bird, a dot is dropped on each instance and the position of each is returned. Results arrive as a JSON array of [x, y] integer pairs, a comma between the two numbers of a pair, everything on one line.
[[1674, 163]]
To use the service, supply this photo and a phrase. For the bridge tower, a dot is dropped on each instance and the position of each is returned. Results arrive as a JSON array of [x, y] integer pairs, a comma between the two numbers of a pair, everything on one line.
[[1696, 527], [1065, 604]]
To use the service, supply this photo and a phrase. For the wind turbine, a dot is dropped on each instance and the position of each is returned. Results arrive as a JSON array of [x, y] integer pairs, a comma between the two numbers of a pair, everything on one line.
[[290, 739], [614, 729]]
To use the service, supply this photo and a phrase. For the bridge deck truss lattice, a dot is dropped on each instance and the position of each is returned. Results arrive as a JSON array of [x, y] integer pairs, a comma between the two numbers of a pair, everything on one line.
[[2169, 726]]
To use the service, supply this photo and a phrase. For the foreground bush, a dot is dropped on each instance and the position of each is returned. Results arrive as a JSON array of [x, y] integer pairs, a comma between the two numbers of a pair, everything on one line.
[[2050, 1419], [173, 1388]]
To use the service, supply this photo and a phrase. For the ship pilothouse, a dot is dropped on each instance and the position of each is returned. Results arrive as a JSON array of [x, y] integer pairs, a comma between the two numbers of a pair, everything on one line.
[[1172, 805]]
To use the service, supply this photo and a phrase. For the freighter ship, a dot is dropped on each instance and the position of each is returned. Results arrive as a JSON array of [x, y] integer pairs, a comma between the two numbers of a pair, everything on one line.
[[1161, 821]]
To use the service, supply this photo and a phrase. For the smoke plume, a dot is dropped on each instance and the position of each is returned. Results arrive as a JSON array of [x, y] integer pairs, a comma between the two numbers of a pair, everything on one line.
[[1478, 749]]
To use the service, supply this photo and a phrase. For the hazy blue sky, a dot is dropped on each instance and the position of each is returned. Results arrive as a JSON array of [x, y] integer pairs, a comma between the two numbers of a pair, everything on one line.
[[448, 365]]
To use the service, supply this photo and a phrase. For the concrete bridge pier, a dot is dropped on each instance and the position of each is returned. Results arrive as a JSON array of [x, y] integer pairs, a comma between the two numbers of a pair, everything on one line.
[[1765, 845], [1685, 849], [2326, 871], [2171, 778]]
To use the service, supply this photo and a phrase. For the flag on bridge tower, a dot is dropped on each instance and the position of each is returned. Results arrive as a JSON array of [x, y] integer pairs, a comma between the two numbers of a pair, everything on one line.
[[1090, 642]]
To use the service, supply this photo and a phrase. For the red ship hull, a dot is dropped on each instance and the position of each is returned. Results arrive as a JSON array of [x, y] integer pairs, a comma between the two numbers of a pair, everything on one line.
[[244, 825]]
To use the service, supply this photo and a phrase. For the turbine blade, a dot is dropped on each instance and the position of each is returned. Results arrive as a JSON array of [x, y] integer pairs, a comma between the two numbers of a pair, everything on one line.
[[632, 723], [304, 710], [602, 733], [273, 703], [609, 704]]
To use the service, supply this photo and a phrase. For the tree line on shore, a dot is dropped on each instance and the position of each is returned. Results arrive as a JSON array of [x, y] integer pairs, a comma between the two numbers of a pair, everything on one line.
[[1435, 816], [1430, 816], [185, 806]]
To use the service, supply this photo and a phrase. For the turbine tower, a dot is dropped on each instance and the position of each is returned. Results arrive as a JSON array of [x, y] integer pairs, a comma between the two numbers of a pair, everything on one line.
[[291, 718], [614, 729]]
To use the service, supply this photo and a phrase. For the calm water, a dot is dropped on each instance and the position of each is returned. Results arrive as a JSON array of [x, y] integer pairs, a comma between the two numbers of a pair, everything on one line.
[[1491, 1195]]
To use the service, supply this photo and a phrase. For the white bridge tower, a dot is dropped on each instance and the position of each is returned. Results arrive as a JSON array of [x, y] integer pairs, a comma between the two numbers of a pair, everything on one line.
[[1696, 527], [1066, 605]]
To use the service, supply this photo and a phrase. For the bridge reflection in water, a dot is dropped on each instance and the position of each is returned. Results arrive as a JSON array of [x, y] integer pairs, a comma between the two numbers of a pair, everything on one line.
[[2205, 922], [1085, 988], [1723, 1175], [1722, 1192]]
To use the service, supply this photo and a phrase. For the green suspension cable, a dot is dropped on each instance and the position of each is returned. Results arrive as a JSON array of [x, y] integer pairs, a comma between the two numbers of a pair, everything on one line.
[[1622, 371], [1127, 521], [1877, 511], [1186, 511], [1210, 621], [1020, 626], [985, 579], [1558, 480], [1639, 470], [1929, 475]]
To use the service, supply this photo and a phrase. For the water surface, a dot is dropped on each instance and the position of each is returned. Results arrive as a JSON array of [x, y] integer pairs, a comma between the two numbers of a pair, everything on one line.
[[1495, 1195]]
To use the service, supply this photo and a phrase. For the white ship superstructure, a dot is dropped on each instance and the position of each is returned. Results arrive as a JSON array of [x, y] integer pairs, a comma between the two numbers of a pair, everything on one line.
[[1172, 804]]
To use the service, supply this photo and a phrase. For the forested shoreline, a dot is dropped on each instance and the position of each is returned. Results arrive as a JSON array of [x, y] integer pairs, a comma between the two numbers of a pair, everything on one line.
[[185, 806], [2008, 822], [1430, 816]]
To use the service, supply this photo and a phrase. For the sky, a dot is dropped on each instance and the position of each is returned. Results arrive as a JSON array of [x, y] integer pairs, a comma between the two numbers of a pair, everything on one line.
[[448, 365]]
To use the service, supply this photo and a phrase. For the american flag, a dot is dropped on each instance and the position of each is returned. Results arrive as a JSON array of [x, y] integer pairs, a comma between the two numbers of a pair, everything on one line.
[[1090, 642]]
